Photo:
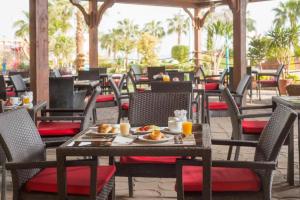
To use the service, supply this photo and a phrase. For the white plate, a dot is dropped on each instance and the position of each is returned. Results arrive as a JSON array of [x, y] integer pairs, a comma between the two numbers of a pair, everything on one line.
[[94, 131], [135, 131], [168, 131], [145, 138]]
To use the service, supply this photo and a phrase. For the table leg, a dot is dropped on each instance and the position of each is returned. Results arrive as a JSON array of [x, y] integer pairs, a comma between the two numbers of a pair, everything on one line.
[[61, 176], [207, 193], [290, 170]]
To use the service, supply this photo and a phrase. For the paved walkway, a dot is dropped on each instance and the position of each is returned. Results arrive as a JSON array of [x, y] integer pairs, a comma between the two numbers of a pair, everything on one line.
[[152, 189]]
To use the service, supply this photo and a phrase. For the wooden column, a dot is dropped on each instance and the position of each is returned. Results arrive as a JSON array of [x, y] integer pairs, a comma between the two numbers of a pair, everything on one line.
[[239, 9], [93, 34], [39, 68], [197, 40]]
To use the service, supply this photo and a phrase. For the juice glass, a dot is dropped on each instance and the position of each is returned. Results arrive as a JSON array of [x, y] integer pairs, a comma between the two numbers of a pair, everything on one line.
[[26, 100], [124, 128], [187, 127], [166, 78]]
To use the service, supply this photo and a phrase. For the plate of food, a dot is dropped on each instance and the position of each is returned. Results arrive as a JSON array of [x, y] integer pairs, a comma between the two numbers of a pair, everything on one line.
[[103, 130], [156, 137], [143, 129], [172, 132]]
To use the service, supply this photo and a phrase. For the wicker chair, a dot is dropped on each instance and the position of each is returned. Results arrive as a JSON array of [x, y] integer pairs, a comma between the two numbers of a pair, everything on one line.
[[35, 178], [152, 71], [138, 76], [18, 84], [176, 74], [211, 84], [131, 78], [123, 106], [240, 179], [274, 83], [57, 129], [3, 91], [220, 108], [92, 75], [151, 108]]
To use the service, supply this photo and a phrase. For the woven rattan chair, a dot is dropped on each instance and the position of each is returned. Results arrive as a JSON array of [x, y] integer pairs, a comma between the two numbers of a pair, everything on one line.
[[139, 76], [35, 178], [152, 71], [3, 91], [57, 129], [145, 109], [131, 78], [18, 84], [210, 81], [240, 179], [122, 105], [91, 74], [220, 108], [273, 83], [176, 75]]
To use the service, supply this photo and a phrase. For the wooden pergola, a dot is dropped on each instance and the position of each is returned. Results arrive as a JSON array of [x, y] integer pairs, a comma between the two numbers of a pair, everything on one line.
[[39, 33]]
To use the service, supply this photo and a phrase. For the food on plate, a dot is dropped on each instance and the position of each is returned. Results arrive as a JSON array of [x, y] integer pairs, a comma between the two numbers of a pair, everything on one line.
[[105, 128], [156, 135], [8, 103], [147, 128]]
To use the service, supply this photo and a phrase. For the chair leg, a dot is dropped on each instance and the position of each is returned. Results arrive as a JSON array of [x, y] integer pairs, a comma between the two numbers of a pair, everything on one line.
[[278, 90], [130, 186], [237, 153], [259, 91], [229, 152], [3, 184], [94, 115]]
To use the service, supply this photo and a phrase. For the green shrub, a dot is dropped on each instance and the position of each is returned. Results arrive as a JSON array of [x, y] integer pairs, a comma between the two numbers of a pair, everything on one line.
[[180, 53]]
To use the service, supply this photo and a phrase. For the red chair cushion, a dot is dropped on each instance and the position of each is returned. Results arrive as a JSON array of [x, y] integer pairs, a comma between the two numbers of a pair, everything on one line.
[[211, 86], [58, 128], [148, 159], [217, 105], [268, 82], [9, 89], [11, 94], [144, 78], [125, 106], [223, 179], [78, 180], [140, 89], [253, 127], [105, 98]]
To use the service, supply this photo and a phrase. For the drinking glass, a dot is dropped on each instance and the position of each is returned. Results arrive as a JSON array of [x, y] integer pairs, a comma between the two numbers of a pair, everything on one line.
[[124, 128], [187, 127]]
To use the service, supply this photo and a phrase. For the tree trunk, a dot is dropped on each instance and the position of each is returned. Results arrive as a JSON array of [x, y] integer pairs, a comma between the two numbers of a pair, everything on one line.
[[179, 38], [79, 39]]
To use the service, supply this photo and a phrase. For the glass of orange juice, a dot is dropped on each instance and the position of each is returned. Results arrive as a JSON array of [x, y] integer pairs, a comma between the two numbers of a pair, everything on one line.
[[26, 100], [187, 127], [166, 78]]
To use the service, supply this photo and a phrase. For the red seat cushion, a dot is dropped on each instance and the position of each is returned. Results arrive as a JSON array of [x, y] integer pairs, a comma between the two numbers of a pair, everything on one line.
[[253, 127], [125, 106], [140, 89], [217, 105], [144, 78], [11, 94], [223, 179], [105, 98], [211, 86], [148, 159], [58, 128], [78, 180], [268, 82]]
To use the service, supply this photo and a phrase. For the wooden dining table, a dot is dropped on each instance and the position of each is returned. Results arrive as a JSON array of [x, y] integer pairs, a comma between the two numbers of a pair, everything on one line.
[[198, 145]]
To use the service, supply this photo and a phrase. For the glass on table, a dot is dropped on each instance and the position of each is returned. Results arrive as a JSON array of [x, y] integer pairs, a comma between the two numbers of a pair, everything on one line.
[[166, 78], [125, 128], [187, 128]]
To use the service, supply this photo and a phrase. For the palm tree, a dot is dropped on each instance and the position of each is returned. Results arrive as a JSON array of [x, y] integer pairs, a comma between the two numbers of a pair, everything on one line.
[[155, 29], [128, 37], [79, 39], [179, 25], [22, 27]]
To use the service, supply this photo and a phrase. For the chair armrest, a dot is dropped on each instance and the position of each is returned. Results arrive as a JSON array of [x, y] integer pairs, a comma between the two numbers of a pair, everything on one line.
[[254, 115], [61, 118], [244, 143], [46, 164], [212, 94], [60, 110], [230, 164], [266, 74], [255, 107]]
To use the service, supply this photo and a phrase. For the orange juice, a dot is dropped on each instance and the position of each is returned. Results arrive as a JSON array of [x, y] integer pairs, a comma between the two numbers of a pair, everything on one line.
[[26, 100], [166, 78], [187, 128]]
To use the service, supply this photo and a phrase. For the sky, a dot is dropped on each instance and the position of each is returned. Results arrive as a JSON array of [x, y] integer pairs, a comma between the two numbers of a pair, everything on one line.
[[261, 12]]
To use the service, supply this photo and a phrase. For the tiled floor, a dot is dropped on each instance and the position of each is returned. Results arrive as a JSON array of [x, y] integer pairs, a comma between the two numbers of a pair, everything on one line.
[[151, 189]]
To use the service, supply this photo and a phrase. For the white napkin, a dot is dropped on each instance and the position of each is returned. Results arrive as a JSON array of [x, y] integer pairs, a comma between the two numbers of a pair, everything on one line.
[[123, 140]]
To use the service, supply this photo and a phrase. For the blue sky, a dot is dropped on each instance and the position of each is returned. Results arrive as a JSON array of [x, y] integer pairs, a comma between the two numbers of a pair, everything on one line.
[[261, 12]]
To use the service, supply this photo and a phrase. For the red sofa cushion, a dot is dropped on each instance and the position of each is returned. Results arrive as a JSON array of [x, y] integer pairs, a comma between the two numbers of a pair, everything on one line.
[[105, 98], [78, 180], [144, 78], [148, 159], [253, 127], [58, 128], [125, 106], [11, 94], [217, 105], [211, 86], [223, 179]]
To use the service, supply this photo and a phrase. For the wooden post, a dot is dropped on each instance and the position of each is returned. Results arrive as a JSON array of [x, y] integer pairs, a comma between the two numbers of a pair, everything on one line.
[[93, 34], [239, 9], [197, 40], [39, 68]]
